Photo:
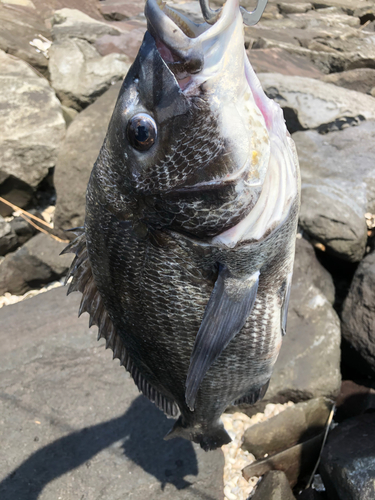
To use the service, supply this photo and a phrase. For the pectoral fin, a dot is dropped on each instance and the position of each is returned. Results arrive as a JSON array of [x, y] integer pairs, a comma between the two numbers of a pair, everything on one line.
[[230, 304]]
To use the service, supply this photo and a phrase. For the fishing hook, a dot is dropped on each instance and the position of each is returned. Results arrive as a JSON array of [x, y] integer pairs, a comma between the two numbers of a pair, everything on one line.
[[249, 18]]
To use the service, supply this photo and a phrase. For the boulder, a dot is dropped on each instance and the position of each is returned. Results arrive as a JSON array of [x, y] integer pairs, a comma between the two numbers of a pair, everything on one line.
[[35, 264], [23, 230], [361, 79], [308, 269], [294, 8], [278, 60], [31, 130], [309, 361], [118, 10], [347, 464], [77, 156], [84, 426], [313, 104], [338, 187], [355, 398], [274, 486], [19, 27], [72, 23], [127, 43], [79, 74], [8, 238], [358, 318], [294, 425]]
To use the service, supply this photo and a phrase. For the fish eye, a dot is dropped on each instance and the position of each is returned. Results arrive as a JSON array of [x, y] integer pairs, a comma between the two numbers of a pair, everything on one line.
[[141, 131]]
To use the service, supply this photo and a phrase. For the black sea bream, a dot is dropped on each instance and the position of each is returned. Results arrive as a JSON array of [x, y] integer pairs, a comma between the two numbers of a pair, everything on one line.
[[185, 259]]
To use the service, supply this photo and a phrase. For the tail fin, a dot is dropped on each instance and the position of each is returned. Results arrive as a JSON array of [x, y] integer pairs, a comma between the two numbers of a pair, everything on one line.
[[211, 438]]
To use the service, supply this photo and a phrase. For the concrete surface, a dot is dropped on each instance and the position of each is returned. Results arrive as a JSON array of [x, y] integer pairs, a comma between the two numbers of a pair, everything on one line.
[[72, 423]]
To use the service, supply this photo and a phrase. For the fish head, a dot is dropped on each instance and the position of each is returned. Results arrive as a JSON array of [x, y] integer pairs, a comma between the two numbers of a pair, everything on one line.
[[189, 129]]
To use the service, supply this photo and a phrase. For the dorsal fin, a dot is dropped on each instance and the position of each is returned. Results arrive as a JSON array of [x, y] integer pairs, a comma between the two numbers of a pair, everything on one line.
[[83, 280]]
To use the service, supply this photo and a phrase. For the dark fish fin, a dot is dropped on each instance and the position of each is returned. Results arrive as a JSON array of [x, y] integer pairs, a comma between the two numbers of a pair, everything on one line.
[[284, 307], [83, 280], [209, 439], [229, 306], [254, 396]]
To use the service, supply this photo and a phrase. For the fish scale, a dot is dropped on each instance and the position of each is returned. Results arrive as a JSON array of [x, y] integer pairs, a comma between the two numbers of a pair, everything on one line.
[[186, 255]]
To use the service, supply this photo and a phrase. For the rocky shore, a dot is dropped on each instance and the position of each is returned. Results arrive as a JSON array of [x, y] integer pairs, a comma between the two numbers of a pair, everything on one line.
[[73, 425]]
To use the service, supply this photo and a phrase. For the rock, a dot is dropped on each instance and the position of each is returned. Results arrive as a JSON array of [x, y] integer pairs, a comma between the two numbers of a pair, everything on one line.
[[127, 43], [307, 269], [31, 130], [274, 486], [312, 104], [18, 27], [69, 114], [72, 23], [290, 427], [77, 156], [80, 75], [23, 230], [117, 10], [84, 426], [35, 264], [338, 187], [297, 462], [358, 317], [8, 238], [294, 8], [355, 398], [328, 38], [278, 60], [361, 79], [309, 361], [310, 494], [348, 461], [46, 8]]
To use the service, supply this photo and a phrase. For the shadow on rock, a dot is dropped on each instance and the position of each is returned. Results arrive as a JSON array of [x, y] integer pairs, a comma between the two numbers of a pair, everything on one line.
[[142, 427]]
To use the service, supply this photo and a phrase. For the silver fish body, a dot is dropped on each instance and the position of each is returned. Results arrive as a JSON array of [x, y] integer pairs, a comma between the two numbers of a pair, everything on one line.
[[185, 260]]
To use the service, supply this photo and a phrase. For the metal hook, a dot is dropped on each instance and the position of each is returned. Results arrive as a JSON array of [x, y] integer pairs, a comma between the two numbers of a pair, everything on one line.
[[249, 18], [209, 15]]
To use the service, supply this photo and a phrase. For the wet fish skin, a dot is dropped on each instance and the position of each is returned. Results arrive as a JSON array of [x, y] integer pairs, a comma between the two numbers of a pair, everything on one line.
[[166, 258]]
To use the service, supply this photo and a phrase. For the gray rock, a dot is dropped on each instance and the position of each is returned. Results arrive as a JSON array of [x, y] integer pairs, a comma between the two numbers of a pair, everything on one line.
[[18, 27], [23, 230], [296, 462], [127, 43], [307, 269], [338, 187], [79, 74], [83, 425], [77, 155], [328, 38], [274, 486], [358, 317], [290, 427], [35, 264], [294, 8], [8, 238], [309, 361], [72, 23], [31, 130], [118, 10], [361, 79], [313, 104], [348, 461]]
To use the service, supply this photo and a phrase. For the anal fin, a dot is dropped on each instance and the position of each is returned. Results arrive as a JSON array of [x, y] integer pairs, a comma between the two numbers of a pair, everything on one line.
[[229, 306]]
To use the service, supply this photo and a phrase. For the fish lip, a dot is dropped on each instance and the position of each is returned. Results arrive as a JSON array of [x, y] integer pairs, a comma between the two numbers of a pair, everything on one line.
[[184, 47]]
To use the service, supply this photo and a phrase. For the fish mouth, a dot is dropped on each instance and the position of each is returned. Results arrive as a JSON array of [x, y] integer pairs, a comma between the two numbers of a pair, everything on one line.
[[184, 44]]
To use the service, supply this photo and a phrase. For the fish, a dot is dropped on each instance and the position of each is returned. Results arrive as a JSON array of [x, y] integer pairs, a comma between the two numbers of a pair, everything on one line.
[[185, 258]]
